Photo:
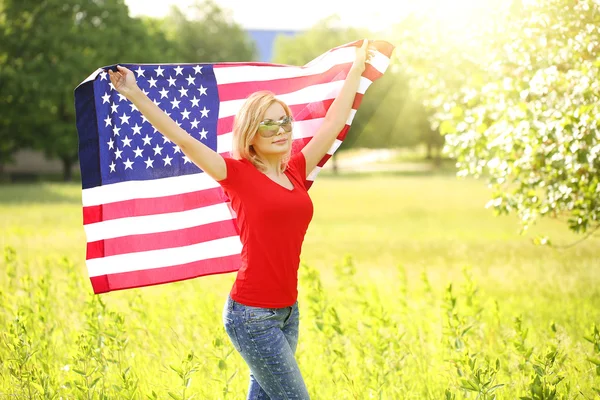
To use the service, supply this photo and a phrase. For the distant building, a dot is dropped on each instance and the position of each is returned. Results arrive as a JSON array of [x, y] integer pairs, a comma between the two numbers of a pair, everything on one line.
[[265, 40]]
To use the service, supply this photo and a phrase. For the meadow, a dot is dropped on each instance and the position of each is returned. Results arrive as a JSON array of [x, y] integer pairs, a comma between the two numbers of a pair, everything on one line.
[[409, 289]]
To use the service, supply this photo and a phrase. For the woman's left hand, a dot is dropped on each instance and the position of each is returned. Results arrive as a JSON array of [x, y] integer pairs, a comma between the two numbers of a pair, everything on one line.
[[364, 54]]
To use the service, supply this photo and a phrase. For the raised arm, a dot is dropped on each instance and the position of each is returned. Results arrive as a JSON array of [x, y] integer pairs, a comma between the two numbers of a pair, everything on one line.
[[203, 156], [338, 113]]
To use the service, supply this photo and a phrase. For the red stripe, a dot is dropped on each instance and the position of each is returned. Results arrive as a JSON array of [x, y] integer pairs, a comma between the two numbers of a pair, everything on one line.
[[157, 276], [249, 64], [151, 206], [241, 90], [161, 240], [301, 112]]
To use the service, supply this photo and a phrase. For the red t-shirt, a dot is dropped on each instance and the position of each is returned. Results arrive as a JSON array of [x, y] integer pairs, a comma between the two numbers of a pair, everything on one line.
[[272, 221]]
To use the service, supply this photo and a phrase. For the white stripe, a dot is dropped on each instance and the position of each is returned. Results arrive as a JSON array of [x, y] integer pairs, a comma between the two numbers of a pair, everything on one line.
[[302, 129], [351, 116], [380, 62], [157, 222], [319, 65], [121, 191], [251, 73], [313, 174], [310, 94], [164, 258], [336, 145]]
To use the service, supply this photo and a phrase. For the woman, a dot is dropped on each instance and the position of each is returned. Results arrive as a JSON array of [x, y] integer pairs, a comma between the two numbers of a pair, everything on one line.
[[266, 189]]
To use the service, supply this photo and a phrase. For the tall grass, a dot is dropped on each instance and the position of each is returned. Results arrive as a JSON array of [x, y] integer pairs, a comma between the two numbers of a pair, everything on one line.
[[409, 289]]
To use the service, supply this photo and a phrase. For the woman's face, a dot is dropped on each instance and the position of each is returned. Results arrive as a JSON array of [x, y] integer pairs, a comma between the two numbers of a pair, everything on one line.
[[280, 142]]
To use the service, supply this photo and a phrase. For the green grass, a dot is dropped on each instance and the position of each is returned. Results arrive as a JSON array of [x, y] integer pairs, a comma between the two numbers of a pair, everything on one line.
[[378, 317]]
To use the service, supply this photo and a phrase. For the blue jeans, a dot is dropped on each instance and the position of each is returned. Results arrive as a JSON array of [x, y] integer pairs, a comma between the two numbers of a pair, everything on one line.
[[267, 338]]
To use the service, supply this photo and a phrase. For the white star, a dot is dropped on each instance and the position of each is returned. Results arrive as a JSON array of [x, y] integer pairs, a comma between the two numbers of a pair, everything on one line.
[[118, 153], [157, 150], [125, 119], [144, 119], [195, 102], [191, 80], [186, 160], [116, 131], [128, 164], [183, 92], [202, 90], [176, 149], [112, 166], [203, 133], [195, 123], [175, 103], [167, 160], [145, 92], [121, 97], [152, 82], [159, 71], [108, 121], [105, 98], [133, 107], [149, 163], [103, 75], [164, 93], [156, 102], [198, 69], [138, 152], [126, 141], [113, 107], [171, 81], [166, 139], [147, 140], [204, 112], [178, 71], [178, 123], [185, 114], [110, 85], [110, 144], [136, 129], [140, 72]]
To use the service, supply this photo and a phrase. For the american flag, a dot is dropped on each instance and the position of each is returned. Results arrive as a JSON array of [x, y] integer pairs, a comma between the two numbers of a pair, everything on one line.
[[150, 215]]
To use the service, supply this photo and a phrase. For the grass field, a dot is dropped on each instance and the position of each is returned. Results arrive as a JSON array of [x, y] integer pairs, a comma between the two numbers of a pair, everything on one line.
[[409, 289]]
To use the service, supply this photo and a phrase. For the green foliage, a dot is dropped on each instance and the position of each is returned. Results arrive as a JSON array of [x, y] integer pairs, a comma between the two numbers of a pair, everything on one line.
[[518, 102], [207, 33], [368, 327]]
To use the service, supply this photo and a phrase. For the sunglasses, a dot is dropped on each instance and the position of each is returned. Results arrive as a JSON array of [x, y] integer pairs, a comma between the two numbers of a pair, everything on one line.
[[270, 128]]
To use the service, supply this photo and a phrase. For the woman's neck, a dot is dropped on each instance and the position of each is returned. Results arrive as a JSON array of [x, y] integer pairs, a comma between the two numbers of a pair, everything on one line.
[[272, 162]]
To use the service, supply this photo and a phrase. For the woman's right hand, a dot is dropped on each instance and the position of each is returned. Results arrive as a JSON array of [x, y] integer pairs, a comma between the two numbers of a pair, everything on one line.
[[123, 80]]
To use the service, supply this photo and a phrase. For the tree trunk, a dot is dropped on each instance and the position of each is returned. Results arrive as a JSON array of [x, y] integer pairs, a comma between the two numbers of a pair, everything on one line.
[[429, 149], [67, 163], [3, 174], [334, 164]]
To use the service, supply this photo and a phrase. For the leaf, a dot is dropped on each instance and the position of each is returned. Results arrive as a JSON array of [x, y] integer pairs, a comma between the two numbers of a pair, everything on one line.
[[593, 360], [447, 127], [174, 396]]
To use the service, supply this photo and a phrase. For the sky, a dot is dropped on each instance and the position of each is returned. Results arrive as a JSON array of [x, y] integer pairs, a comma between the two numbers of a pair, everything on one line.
[[282, 15]]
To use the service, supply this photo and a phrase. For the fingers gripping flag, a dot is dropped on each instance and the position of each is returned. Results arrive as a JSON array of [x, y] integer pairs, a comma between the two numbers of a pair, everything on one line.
[[150, 215]]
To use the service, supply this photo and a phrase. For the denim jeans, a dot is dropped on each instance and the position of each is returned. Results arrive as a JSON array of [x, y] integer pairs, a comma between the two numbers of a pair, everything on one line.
[[267, 338]]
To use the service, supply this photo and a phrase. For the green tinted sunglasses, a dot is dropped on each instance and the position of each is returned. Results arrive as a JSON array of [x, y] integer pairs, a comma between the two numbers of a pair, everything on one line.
[[270, 128]]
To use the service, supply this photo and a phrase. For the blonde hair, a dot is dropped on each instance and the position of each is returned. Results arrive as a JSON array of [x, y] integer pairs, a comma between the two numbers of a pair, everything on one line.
[[245, 127]]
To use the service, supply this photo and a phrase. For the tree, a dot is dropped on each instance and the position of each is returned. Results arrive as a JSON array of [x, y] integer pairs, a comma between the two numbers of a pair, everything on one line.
[[525, 111], [49, 47], [208, 35]]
